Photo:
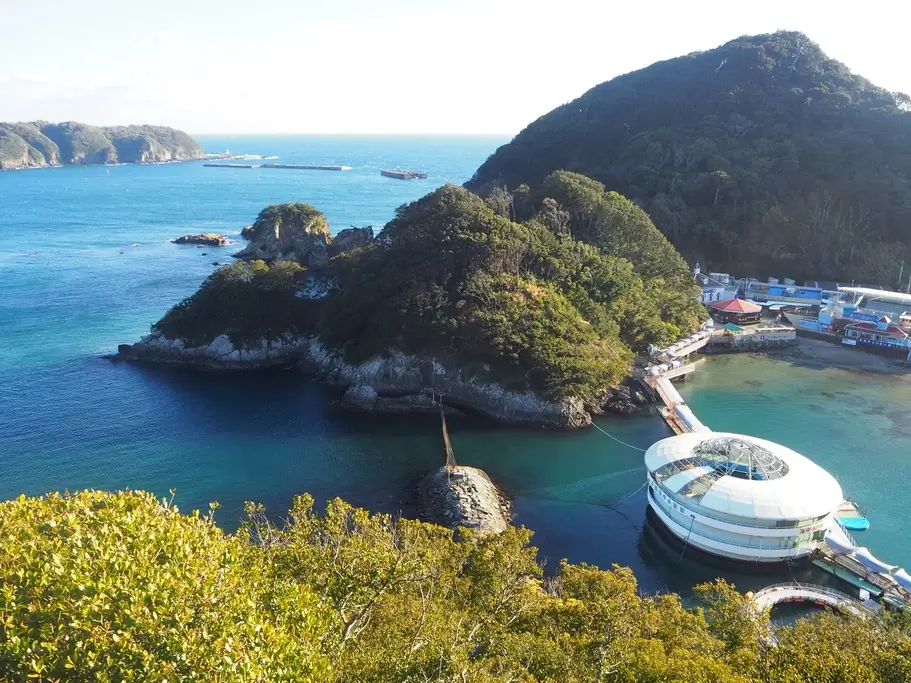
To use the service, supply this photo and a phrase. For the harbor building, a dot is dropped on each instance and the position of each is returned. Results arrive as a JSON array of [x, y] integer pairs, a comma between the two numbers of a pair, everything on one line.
[[862, 317], [714, 286], [736, 311], [740, 497]]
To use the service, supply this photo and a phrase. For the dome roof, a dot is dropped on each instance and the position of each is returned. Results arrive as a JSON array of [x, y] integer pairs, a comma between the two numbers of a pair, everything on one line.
[[743, 476]]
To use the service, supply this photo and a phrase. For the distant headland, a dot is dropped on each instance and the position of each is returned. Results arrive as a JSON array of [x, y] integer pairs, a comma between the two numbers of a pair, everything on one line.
[[39, 144]]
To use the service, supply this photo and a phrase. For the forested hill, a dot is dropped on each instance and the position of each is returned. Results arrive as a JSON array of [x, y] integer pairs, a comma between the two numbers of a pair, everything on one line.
[[763, 156], [39, 143]]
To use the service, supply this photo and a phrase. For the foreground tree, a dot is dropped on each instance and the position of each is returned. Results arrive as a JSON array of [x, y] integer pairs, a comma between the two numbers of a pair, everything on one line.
[[122, 587]]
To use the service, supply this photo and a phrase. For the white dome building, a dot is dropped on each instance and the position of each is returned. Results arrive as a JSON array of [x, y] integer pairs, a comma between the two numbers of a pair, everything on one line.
[[740, 497]]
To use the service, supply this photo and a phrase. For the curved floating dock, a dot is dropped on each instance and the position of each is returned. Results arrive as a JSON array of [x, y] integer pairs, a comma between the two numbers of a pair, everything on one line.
[[822, 596]]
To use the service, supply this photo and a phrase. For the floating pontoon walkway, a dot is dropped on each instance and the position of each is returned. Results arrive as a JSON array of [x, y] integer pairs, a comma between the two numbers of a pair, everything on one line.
[[780, 593]]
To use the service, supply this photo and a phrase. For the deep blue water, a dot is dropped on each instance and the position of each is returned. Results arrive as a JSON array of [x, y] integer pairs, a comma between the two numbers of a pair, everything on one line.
[[86, 263]]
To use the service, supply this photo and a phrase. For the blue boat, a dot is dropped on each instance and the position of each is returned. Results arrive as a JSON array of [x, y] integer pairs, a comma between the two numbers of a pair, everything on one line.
[[855, 523]]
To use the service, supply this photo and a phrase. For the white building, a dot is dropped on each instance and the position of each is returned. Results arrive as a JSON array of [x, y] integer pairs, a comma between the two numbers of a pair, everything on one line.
[[715, 286], [740, 497]]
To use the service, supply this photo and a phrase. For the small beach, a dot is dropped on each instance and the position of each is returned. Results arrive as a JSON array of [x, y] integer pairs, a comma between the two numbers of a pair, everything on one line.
[[817, 354]]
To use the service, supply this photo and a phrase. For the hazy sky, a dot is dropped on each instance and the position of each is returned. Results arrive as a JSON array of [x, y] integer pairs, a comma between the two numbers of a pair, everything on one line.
[[382, 66]]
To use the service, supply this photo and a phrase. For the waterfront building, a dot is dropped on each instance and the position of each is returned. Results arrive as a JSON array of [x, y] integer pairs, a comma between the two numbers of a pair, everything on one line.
[[715, 286], [862, 317], [789, 293], [735, 311], [740, 497], [882, 333]]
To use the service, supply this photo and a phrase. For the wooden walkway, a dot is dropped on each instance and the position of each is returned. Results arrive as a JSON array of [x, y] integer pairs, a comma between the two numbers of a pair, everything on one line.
[[808, 593]]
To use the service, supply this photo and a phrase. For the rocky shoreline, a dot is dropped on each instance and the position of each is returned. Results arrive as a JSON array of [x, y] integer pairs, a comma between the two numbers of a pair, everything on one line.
[[395, 383]]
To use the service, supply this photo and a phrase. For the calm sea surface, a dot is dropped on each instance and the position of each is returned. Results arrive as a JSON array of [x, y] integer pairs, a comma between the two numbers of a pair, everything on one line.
[[85, 264]]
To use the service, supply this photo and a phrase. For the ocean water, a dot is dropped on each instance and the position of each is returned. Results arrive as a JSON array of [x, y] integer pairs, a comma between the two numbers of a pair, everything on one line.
[[86, 263]]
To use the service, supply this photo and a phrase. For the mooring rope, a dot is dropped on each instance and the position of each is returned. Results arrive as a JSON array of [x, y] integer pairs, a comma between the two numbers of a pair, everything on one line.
[[686, 543], [628, 445]]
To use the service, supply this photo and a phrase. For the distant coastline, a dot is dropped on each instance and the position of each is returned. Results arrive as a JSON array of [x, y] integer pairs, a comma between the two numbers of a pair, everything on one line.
[[39, 144]]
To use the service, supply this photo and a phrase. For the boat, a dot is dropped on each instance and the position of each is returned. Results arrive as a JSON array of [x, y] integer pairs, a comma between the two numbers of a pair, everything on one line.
[[855, 523], [402, 174], [850, 518]]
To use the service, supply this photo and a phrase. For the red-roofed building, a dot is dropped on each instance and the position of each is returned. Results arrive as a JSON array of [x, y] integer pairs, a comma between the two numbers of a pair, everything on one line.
[[881, 333], [735, 311]]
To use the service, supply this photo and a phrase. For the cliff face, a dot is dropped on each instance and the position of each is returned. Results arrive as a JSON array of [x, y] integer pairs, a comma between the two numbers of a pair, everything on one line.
[[39, 143], [405, 377]]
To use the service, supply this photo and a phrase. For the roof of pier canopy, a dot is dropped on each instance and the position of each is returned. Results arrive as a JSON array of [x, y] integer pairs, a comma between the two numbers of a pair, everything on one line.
[[735, 306], [743, 476]]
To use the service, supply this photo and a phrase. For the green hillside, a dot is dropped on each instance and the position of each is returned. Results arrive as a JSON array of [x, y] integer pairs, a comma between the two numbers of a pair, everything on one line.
[[762, 156]]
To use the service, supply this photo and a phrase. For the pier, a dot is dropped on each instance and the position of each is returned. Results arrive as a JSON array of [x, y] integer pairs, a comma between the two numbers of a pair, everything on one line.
[[231, 165]]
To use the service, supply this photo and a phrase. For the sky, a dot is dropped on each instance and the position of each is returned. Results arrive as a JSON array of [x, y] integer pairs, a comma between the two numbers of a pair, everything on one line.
[[382, 66]]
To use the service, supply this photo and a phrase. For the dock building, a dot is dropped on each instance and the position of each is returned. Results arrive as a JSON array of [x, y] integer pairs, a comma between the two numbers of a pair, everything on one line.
[[737, 311], [862, 316], [740, 497]]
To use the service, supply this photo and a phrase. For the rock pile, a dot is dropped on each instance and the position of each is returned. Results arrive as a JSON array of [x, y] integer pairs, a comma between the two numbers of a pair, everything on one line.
[[462, 496], [209, 239]]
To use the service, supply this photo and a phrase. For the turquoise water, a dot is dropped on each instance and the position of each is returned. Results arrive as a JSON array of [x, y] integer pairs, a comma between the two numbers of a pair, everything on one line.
[[857, 425], [85, 264]]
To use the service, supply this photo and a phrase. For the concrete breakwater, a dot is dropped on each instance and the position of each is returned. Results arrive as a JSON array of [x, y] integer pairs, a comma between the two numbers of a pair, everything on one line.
[[306, 167]]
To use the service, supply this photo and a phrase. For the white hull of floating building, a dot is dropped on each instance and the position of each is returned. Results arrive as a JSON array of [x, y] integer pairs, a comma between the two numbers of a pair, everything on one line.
[[740, 497]]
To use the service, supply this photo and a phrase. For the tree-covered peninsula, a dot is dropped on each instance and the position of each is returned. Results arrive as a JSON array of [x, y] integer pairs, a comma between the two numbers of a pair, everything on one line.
[[123, 587], [39, 143], [762, 156], [517, 304]]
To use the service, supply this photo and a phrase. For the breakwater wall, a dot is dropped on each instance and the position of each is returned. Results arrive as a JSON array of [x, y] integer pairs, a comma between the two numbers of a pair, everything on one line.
[[308, 167]]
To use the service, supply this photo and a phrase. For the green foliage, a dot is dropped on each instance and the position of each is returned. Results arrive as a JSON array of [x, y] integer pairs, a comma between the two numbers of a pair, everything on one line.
[[762, 156], [290, 218], [121, 587], [248, 301], [13, 149], [80, 143], [556, 303], [453, 276]]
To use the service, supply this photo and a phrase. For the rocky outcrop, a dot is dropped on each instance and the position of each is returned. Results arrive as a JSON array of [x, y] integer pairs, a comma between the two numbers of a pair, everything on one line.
[[395, 383], [39, 143], [364, 398], [209, 239], [247, 232], [350, 239], [288, 232], [461, 496], [466, 388], [624, 399], [219, 355]]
